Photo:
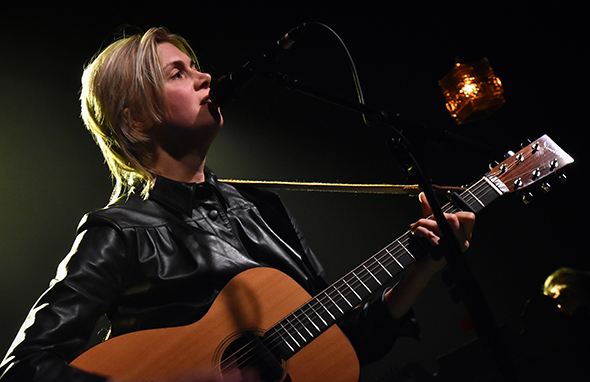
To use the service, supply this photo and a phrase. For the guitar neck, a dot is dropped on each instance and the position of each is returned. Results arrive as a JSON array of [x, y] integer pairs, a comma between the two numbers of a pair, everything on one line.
[[518, 171]]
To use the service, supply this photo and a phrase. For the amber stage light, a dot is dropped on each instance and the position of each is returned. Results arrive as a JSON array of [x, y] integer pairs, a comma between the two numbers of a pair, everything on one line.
[[472, 91]]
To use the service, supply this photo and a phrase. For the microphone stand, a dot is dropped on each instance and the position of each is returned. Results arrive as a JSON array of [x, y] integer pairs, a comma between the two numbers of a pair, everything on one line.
[[466, 282]]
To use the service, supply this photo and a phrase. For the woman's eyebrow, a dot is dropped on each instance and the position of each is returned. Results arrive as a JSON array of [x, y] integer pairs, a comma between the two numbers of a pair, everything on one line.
[[173, 64]]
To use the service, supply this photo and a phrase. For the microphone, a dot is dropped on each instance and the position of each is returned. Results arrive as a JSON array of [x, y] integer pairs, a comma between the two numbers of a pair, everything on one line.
[[229, 86]]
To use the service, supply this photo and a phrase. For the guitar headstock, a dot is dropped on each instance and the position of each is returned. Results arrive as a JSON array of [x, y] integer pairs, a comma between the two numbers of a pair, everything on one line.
[[540, 158]]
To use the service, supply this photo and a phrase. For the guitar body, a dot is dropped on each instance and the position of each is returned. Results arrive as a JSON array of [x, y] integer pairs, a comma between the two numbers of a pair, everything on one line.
[[254, 300]]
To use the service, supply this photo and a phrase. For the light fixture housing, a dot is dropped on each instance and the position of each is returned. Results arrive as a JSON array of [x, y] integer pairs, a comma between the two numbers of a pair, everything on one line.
[[472, 91]]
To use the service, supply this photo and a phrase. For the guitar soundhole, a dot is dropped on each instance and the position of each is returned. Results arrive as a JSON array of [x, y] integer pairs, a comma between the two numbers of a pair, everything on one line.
[[246, 352]]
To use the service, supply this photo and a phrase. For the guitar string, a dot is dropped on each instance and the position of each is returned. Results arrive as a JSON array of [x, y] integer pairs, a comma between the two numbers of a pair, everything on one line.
[[385, 253], [362, 277], [303, 313]]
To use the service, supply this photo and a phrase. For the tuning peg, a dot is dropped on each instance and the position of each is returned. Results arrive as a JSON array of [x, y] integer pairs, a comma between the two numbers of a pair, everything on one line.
[[562, 178], [527, 198], [525, 143], [508, 154], [546, 187], [493, 164]]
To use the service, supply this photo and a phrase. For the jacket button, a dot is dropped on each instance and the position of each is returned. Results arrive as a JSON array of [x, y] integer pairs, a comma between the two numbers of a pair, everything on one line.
[[213, 214]]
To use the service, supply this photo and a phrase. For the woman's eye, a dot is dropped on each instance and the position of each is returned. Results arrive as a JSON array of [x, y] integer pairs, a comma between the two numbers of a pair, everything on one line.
[[177, 75]]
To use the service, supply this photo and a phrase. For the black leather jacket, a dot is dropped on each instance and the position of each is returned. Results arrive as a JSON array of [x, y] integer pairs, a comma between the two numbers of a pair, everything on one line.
[[161, 262]]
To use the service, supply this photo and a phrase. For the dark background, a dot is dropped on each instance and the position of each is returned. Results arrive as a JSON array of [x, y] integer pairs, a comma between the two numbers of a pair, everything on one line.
[[53, 173]]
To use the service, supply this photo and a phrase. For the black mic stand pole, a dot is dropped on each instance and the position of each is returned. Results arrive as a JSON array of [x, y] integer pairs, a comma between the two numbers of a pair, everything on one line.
[[471, 293]]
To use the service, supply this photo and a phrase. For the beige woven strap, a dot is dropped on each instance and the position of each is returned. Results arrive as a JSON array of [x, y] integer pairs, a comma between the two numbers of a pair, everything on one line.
[[411, 189]]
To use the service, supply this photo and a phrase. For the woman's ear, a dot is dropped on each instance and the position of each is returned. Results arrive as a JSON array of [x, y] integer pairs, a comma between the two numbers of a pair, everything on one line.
[[139, 125]]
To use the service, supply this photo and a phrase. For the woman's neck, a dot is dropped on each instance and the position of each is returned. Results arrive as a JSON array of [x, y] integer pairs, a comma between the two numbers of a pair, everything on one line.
[[189, 168]]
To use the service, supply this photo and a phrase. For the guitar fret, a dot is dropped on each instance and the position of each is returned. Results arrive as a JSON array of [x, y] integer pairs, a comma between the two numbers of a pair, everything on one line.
[[344, 298], [353, 291], [293, 338], [333, 303], [371, 273], [394, 258], [310, 320], [385, 269], [405, 249], [305, 327], [476, 198], [361, 281], [319, 315], [283, 338]]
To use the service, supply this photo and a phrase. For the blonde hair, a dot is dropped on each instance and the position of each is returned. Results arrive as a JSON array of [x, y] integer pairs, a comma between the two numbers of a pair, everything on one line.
[[577, 280], [122, 87]]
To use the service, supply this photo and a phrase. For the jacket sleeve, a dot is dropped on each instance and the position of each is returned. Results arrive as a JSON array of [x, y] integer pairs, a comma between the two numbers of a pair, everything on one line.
[[61, 322]]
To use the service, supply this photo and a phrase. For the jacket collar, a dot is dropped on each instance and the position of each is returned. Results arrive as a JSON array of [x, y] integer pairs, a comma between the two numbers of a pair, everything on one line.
[[181, 196]]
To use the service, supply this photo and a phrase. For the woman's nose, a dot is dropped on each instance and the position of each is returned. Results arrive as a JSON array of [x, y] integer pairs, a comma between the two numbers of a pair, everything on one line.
[[202, 80]]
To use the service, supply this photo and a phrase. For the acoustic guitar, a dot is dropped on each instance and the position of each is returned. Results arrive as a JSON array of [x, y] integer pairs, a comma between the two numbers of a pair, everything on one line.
[[265, 321]]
